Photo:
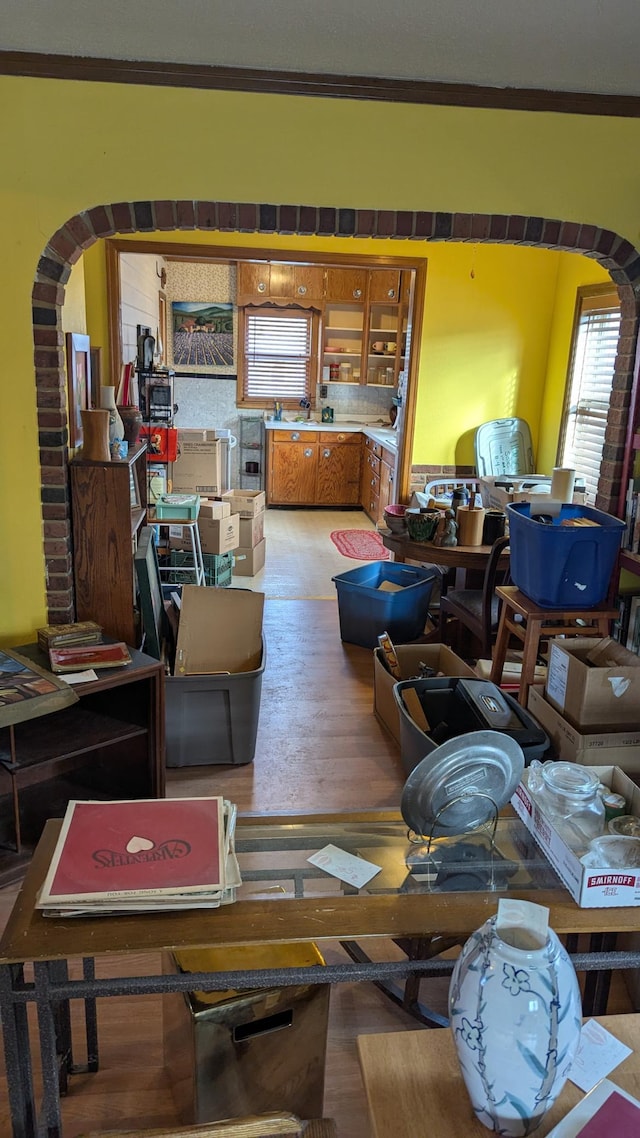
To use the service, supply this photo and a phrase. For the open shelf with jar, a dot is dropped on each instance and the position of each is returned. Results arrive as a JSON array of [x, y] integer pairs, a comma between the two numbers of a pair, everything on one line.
[[342, 337], [384, 344]]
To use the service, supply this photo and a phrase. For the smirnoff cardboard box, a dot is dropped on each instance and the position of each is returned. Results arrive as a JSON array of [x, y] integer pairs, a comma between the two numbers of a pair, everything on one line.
[[497, 497], [217, 535], [594, 683], [592, 887], [249, 561], [410, 657], [247, 503], [251, 530], [198, 467], [591, 748]]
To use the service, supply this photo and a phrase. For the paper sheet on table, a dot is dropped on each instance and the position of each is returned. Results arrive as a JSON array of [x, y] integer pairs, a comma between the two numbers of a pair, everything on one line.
[[79, 677], [598, 1053], [354, 870]]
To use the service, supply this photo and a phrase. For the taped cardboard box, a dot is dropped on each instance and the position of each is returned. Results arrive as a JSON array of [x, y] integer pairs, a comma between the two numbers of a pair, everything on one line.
[[595, 683], [247, 503], [217, 535], [619, 748], [248, 562], [215, 510], [410, 658], [251, 530], [198, 467], [592, 887]]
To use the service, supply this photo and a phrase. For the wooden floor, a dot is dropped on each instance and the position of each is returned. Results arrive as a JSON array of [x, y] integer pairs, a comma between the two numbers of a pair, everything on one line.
[[319, 748]]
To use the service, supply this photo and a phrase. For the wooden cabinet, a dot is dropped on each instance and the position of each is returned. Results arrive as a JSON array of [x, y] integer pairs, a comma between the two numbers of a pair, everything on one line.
[[377, 481], [346, 285], [109, 507], [338, 480], [110, 744], [313, 468], [342, 339], [277, 280], [384, 286]]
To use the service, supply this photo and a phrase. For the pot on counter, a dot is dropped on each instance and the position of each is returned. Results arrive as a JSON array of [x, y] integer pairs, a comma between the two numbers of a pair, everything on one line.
[[422, 523]]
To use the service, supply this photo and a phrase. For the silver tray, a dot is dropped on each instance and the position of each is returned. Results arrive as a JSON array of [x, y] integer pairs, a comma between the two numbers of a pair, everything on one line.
[[454, 788]]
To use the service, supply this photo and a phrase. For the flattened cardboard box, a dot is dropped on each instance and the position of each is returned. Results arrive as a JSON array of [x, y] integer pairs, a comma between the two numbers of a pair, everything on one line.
[[594, 683], [220, 630], [621, 748], [410, 657], [198, 466], [248, 562], [591, 887]]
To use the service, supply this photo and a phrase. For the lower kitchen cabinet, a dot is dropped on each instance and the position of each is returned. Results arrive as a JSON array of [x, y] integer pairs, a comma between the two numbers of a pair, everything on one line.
[[376, 486], [313, 468]]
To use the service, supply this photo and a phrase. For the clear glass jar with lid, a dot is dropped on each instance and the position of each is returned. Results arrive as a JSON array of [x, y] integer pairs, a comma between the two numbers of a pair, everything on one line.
[[569, 795]]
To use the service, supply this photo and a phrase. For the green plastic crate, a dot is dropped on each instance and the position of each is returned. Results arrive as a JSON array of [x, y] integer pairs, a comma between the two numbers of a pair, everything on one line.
[[218, 568]]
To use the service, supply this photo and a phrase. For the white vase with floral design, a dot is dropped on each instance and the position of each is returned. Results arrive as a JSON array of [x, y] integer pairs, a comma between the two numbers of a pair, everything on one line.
[[515, 1013], [108, 402]]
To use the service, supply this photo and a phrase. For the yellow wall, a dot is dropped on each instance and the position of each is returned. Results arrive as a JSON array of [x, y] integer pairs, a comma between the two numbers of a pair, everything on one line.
[[67, 146]]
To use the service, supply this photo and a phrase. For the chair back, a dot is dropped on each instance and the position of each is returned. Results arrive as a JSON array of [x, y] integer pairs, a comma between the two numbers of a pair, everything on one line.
[[493, 575]]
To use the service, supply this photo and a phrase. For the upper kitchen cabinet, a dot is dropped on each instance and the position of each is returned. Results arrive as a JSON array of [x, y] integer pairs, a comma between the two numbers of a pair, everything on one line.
[[346, 285], [384, 286], [278, 281]]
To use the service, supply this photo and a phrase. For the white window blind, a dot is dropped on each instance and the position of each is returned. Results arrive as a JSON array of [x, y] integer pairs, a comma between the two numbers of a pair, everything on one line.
[[278, 354], [589, 386]]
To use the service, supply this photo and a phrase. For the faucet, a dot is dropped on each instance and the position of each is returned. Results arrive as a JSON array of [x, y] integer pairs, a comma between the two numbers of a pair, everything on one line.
[[306, 405]]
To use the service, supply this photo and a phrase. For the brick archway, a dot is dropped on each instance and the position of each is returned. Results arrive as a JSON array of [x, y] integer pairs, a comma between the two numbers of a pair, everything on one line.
[[65, 248]]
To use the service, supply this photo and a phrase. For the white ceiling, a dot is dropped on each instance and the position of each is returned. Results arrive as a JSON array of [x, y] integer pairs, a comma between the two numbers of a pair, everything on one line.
[[560, 45]]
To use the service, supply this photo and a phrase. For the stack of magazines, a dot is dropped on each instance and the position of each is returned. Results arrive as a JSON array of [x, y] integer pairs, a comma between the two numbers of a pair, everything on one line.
[[141, 856]]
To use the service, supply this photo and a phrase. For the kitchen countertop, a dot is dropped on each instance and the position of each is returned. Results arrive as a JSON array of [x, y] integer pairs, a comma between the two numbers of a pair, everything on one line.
[[385, 435]]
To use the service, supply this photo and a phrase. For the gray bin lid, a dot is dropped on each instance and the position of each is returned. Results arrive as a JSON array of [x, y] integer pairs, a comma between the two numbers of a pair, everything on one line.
[[503, 446]]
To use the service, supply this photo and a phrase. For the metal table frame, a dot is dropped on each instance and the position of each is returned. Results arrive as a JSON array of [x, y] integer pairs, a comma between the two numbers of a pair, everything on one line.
[[423, 924]]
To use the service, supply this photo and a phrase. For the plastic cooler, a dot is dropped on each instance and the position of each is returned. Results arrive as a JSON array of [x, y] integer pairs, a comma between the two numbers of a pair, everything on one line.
[[366, 608], [561, 566]]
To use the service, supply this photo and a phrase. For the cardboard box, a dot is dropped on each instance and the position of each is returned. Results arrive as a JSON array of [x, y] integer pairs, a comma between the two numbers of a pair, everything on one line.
[[219, 631], [217, 535], [619, 748], [247, 503], [511, 672], [251, 530], [410, 657], [496, 497], [211, 509], [591, 887], [198, 467], [248, 562], [594, 683]]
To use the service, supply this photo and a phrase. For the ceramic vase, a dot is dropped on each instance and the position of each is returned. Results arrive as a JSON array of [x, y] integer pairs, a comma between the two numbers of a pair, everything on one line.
[[95, 435], [515, 1014], [132, 422], [108, 402]]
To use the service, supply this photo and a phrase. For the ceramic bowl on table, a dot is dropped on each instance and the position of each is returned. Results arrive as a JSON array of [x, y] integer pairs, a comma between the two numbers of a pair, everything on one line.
[[394, 518]]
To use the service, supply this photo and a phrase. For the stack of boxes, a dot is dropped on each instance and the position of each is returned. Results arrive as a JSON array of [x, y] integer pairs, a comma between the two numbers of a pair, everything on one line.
[[248, 507]]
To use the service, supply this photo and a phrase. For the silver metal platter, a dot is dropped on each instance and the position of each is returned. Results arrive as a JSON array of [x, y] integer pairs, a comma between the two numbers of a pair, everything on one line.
[[454, 788]]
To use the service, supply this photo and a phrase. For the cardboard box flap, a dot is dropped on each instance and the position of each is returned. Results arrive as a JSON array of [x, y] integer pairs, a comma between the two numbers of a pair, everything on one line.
[[220, 630], [608, 653]]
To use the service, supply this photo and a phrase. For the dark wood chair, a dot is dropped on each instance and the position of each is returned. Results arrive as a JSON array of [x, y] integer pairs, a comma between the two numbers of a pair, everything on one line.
[[476, 610]]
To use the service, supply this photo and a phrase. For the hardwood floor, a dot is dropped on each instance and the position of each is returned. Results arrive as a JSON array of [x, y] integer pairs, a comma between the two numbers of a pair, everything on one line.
[[319, 748]]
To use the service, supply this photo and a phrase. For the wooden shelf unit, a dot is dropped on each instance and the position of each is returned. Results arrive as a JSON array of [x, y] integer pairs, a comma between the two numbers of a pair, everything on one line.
[[109, 508]]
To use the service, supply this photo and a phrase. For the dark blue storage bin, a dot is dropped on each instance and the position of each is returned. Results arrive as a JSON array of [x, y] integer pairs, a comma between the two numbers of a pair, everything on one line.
[[563, 566], [365, 610]]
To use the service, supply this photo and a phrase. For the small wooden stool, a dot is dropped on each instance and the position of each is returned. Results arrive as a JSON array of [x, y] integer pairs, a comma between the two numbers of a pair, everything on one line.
[[538, 624]]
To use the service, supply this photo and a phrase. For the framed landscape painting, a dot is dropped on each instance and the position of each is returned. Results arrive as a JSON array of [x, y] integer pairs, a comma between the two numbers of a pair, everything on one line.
[[202, 334]]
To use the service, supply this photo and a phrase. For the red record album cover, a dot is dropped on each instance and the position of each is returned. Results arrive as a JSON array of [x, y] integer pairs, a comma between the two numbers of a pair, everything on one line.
[[89, 656], [616, 1118], [137, 847]]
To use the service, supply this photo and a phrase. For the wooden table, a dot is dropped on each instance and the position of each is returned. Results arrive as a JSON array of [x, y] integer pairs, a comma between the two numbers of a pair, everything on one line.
[[273, 851], [413, 1082], [466, 560]]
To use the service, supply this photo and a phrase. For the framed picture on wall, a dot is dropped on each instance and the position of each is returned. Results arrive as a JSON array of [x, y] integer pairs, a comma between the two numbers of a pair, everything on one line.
[[202, 334], [78, 382]]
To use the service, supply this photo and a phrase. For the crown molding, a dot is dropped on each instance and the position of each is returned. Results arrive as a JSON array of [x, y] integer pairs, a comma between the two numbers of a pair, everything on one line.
[[151, 73]]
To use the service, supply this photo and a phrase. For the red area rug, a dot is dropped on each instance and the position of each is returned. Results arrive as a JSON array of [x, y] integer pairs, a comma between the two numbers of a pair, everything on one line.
[[360, 544]]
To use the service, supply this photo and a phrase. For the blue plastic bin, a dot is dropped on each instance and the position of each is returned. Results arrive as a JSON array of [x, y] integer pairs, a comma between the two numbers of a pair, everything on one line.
[[560, 566], [365, 610]]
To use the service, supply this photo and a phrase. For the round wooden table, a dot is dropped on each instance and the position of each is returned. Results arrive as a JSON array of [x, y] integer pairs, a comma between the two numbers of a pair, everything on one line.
[[464, 559]]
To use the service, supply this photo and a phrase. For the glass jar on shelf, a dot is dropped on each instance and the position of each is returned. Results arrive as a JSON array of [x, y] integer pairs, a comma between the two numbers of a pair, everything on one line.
[[569, 795]]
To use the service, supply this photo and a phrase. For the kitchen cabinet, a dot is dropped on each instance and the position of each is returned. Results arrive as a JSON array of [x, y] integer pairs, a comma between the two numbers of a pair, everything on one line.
[[377, 481], [278, 281], [109, 508], [384, 286], [346, 285], [342, 339], [338, 480], [313, 468]]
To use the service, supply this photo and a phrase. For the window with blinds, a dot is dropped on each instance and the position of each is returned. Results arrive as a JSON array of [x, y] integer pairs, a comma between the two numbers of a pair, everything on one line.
[[279, 356], [589, 383]]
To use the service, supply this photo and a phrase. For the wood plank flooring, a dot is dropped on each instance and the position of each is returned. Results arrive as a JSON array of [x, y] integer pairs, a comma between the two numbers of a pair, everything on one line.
[[319, 748]]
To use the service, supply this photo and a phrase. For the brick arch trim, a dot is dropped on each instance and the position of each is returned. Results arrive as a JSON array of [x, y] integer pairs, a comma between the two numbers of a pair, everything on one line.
[[65, 248]]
